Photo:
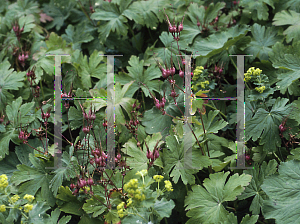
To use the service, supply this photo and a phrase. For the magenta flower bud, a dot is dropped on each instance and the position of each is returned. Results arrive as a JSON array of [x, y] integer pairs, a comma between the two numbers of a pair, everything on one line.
[[162, 104], [156, 154], [85, 130], [75, 191], [149, 155], [22, 29], [93, 117], [163, 100], [97, 152], [90, 181], [47, 115], [104, 155], [98, 161], [216, 19], [119, 156], [157, 105], [164, 74], [19, 58], [172, 70], [72, 186], [198, 23], [85, 116], [220, 70], [83, 182], [181, 74], [171, 29], [168, 72], [164, 112], [180, 27], [175, 29], [247, 157], [116, 160]]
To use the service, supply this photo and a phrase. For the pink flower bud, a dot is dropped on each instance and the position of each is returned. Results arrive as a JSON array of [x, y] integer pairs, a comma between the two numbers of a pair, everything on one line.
[[181, 74], [119, 156], [90, 181], [247, 157], [149, 155], [85, 130], [157, 105], [172, 70], [156, 154], [72, 186], [180, 27]]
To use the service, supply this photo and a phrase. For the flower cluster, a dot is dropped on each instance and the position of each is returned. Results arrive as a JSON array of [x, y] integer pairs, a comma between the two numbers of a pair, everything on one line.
[[198, 75], [121, 209], [197, 72], [28, 207], [252, 72], [3, 181], [14, 198], [158, 178], [132, 188], [260, 89], [2, 208], [168, 185], [29, 197]]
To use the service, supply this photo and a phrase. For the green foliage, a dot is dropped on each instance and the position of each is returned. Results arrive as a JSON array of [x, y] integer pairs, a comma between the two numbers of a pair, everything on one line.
[[205, 205], [283, 192]]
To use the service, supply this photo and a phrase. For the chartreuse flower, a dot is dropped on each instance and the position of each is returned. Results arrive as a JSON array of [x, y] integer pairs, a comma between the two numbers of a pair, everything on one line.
[[168, 185], [3, 181], [28, 207], [2, 208], [29, 197], [15, 198], [121, 209], [158, 178], [129, 202], [260, 89]]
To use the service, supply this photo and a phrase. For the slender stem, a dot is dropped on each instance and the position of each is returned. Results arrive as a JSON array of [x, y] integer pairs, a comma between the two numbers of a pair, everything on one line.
[[277, 157], [198, 179], [166, 220], [217, 109], [203, 153], [34, 148], [143, 100], [204, 131], [86, 14]]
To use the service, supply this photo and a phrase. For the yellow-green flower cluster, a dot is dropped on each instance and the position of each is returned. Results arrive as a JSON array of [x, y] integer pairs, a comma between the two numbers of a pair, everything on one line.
[[2, 208], [28, 207], [15, 198], [131, 188], [260, 89], [168, 185], [203, 84], [131, 185], [3, 181], [142, 173], [29, 197], [197, 72], [158, 178], [121, 209], [129, 202], [252, 72]]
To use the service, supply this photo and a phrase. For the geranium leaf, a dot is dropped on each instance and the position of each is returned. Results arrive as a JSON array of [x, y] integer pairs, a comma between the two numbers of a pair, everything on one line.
[[291, 18], [263, 40], [283, 191], [139, 75], [287, 58], [254, 188], [265, 125], [205, 203]]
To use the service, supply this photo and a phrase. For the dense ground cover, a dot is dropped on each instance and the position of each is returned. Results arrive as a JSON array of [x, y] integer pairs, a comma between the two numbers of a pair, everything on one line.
[[155, 179]]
